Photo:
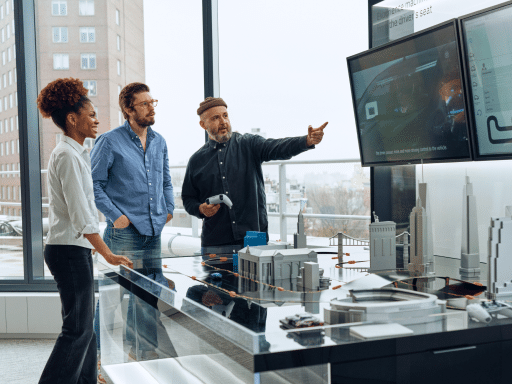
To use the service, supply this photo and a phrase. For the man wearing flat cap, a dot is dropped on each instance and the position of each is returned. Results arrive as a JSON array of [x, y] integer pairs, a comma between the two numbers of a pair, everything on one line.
[[230, 163]]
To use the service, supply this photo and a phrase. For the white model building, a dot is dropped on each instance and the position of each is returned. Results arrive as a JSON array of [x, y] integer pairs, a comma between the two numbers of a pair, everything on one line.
[[422, 260], [470, 256], [499, 282], [267, 265], [417, 310], [382, 245]]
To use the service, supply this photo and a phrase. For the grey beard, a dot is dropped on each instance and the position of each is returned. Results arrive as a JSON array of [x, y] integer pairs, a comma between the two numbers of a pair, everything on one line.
[[221, 139]]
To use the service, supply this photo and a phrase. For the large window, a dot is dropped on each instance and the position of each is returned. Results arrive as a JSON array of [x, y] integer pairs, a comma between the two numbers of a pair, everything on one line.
[[293, 64], [291, 68], [11, 235]]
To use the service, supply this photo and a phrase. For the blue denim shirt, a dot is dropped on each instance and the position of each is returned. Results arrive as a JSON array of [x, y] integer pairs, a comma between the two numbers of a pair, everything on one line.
[[128, 181]]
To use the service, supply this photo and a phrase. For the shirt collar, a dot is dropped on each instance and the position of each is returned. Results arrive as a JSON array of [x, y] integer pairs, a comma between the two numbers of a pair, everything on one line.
[[133, 135], [79, 148]]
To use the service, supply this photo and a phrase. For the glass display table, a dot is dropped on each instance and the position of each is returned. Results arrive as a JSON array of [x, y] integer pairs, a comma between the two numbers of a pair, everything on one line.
[[189, 320]]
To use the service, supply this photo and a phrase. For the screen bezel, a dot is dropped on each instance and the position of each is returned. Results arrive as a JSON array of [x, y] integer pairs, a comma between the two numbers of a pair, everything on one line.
[[467, 82], [454, 24]]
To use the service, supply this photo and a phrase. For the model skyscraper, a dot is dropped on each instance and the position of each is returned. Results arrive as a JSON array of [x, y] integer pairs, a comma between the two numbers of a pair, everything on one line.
[[422, 261], [382, 245], [470, 257], [499, 284], [299, 238], [425, 203]]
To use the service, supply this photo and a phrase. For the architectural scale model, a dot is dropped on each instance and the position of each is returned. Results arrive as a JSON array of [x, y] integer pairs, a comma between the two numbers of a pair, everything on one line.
[[268, 265], [422, 260], [299, 238], [470, 255], [406, 250], [389, 305], [425, 203], [278, 265], [499, 280], [312, 278], [382, 245]]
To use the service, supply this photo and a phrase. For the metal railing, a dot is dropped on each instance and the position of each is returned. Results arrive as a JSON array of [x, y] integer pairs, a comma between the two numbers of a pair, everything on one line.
[[282, 214]]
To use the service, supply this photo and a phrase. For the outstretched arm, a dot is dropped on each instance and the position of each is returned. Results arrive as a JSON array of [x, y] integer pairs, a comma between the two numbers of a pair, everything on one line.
[[286, 148]]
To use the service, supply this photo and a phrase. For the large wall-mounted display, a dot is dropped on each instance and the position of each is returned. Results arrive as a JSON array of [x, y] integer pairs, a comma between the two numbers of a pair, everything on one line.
[[488, 60], [409, 100]]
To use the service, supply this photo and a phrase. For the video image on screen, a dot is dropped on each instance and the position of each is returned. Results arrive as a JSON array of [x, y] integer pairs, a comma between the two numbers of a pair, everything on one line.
[[489, 61], [409, 101]]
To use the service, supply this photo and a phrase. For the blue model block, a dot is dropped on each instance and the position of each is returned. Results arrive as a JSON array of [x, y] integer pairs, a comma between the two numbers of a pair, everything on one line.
[[235, 262], [253, 238]]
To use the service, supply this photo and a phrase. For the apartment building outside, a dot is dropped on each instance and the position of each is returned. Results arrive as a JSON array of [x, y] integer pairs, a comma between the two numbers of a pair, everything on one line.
[[98, 41]]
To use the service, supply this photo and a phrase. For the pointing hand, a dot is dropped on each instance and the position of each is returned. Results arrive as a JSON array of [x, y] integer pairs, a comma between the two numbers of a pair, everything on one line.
[[315, 135]]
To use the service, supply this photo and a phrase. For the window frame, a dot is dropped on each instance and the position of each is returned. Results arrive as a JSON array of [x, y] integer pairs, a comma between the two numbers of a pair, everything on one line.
[[88, 56], [60, 29], [87, 85], [87, 3], [63, 55], [87, 35], [59, 3]]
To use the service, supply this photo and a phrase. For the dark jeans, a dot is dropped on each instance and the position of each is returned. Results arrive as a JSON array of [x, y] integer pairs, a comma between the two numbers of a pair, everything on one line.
[[73, 359], [145, 252]]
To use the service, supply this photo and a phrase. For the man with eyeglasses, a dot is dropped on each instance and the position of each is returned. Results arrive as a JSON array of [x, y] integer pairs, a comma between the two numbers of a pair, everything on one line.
[[133, 189]]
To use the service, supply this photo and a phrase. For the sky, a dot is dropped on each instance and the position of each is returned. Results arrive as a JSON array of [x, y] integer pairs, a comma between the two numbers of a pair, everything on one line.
[[282, 67]]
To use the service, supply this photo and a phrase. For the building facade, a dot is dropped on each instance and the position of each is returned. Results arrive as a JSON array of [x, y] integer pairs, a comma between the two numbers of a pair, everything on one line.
[[100, 42]]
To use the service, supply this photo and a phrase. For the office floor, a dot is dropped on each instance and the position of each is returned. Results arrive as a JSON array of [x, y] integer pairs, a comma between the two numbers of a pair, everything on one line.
[[23, 360]]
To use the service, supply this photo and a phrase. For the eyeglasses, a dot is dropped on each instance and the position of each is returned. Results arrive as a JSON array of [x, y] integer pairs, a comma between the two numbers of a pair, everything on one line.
[[146, 104]]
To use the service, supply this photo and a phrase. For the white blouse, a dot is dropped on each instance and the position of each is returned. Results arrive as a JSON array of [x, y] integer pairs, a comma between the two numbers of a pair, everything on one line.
[[72, 211]]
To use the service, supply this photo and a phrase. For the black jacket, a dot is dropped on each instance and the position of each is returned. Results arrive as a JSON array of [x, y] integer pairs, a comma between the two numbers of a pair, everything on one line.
[[234, 169]]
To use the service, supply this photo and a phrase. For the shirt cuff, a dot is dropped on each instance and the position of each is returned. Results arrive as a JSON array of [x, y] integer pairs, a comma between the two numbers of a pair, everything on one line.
[[114, 215], [87, 230], [306, 144]]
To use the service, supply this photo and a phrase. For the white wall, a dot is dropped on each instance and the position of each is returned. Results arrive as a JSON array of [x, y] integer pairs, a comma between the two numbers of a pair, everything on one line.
[[492, 186]]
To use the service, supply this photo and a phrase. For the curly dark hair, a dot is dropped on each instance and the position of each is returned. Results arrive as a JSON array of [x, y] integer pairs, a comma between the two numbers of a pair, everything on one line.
[[61, 97], [127, 95]]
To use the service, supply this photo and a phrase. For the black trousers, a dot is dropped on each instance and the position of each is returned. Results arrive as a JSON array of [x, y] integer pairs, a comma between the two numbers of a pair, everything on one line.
[[73, 359]]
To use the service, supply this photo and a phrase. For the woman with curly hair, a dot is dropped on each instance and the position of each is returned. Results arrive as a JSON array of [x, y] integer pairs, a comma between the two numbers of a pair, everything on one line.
[[73, 232]]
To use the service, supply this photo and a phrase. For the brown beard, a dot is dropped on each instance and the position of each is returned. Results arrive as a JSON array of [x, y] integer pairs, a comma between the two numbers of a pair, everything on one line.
[[144, 121], [221, 139]]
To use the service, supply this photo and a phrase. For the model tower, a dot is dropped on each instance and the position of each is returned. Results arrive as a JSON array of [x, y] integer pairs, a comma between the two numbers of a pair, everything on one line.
[[299, 238], [425, 203], [499, 283], [382, 245], [422, 261], [470, 257]]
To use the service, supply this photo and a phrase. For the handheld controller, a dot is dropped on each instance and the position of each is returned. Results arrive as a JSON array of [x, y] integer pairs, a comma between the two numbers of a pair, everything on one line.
[[218, 199]]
